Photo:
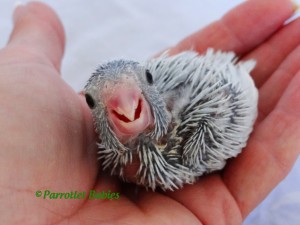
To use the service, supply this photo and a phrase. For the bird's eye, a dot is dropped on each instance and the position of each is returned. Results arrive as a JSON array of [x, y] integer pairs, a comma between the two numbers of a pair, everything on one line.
[[149, 77], [90, 101]]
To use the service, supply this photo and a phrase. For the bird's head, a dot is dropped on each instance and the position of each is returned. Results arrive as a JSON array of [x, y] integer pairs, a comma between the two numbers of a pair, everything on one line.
[[122, 95]]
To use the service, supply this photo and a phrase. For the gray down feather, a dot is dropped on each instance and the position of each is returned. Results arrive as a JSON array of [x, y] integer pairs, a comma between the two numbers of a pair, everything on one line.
[[204, 108]]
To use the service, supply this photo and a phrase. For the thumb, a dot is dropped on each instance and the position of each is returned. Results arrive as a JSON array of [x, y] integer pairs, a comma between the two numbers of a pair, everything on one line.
[[37, 33]]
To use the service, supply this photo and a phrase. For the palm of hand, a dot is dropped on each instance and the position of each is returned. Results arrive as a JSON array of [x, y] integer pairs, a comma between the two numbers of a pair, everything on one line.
[[48, 131]]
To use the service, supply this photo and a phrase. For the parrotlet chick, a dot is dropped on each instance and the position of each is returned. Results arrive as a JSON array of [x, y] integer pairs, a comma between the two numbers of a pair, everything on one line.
[[180, 116]]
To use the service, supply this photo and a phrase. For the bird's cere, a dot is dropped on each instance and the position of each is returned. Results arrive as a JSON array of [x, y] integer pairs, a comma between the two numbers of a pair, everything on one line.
[[181, 116]]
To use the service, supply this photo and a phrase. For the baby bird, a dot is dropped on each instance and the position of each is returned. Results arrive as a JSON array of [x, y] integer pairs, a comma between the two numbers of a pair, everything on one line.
[[181, 116]]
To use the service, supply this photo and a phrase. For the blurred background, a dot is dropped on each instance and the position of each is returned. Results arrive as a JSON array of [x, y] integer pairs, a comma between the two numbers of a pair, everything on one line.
[[97, 31]]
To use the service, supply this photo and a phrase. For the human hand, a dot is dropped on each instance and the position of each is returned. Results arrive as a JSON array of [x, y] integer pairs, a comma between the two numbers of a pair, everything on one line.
[[47, 139]]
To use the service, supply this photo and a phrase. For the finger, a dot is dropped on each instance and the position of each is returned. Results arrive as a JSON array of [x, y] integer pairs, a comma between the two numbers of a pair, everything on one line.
[[273, 88], [270, 154], [209, 200], [242, 28], [271, 53], [268, 159], [37, 32]]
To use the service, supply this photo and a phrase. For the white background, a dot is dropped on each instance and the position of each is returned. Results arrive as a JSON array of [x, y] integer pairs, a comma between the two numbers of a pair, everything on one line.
[[100, 30]]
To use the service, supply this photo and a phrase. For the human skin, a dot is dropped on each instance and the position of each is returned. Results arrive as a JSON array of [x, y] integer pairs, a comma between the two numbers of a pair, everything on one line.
[[47, 137]]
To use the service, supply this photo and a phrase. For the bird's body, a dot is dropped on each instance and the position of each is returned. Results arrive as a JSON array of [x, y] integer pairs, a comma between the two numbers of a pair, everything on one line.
[[203, 108]]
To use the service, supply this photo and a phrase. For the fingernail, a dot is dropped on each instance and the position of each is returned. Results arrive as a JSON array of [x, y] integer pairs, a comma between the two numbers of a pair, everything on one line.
[[296, 5], [296, 14], [18, 5]]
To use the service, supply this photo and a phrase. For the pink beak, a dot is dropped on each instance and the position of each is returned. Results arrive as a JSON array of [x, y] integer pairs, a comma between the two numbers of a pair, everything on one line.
[[128, 111]]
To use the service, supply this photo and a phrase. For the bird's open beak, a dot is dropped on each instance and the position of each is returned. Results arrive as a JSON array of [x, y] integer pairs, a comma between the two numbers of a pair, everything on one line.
[[128, 111]]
